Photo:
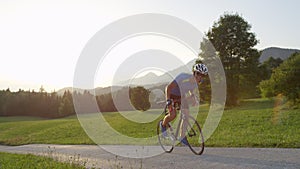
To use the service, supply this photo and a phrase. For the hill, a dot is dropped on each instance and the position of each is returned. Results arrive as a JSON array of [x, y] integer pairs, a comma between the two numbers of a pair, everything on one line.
[[97, 91], [150, 80], [276, 52], [153, 81]]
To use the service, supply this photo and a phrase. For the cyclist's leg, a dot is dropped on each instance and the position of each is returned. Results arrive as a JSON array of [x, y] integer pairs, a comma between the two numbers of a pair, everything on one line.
[[172, 111], [169, 117], [164, 123], [183, 125]]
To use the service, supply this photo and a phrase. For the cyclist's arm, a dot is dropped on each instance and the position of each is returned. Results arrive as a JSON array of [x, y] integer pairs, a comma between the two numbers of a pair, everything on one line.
[[195, 97], [169, 87]]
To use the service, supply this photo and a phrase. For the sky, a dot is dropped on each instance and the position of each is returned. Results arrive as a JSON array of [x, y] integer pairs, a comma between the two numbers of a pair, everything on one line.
[[41, 40]]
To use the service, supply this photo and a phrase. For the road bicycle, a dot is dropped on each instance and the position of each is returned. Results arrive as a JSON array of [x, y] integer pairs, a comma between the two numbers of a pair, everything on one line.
[[187, 127]]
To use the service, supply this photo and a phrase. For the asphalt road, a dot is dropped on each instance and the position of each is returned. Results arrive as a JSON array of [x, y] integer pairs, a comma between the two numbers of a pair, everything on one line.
[[233, 158]]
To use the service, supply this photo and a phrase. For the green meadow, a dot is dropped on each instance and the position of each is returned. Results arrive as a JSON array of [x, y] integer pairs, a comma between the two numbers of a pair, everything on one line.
[[255, 123], [29, 161]]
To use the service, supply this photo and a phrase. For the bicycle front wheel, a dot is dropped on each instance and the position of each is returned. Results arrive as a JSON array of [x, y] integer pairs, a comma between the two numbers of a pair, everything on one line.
[[165, 140], [194, 136]]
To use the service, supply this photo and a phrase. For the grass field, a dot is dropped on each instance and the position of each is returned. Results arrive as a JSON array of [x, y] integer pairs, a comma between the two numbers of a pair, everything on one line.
[[258, 123], [28, 161], [255, 123]]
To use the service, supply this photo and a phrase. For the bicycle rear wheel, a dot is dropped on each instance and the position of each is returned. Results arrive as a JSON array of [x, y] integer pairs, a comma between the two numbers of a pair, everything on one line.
[[166, 142], [194, 136]]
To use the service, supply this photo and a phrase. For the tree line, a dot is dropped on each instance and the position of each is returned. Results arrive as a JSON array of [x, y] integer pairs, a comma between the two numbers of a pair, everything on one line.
[[31, 103], [52, 105]]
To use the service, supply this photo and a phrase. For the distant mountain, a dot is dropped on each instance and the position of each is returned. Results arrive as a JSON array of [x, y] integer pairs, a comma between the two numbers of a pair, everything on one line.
[[151, 79], [276, 52], [61, 92], [98, 91]]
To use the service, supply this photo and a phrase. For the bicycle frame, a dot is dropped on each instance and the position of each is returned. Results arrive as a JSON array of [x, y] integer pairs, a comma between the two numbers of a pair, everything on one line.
[[185, 130], [181, 124]]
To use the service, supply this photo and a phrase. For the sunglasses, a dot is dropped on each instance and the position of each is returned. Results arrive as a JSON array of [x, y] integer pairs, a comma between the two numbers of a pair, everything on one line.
[[200, 74]]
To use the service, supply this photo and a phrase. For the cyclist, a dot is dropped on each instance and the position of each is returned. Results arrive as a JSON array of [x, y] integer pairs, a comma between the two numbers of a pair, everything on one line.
[[177, 92]]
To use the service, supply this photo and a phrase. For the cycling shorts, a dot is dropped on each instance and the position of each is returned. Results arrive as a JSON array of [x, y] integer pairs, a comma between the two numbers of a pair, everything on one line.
[[179, 103]]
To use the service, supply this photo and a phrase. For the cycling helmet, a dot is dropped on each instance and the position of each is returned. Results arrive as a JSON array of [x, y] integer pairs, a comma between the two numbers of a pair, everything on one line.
[[201, 68]]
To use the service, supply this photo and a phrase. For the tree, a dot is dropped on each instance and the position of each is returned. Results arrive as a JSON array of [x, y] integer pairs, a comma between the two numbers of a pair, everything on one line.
[[234, 44], [66, 106], [106, 103], [284, 80], [268, 66], [139, 97]]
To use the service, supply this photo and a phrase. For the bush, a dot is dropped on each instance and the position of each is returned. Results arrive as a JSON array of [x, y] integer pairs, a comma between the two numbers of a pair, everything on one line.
[[284, 80]]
